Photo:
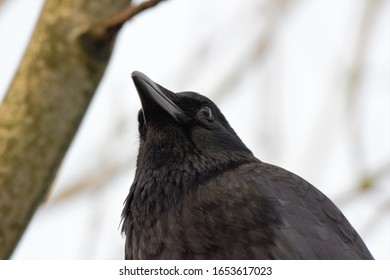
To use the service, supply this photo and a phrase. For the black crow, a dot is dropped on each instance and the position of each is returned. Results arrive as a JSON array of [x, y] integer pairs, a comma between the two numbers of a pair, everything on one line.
[[200, 193]]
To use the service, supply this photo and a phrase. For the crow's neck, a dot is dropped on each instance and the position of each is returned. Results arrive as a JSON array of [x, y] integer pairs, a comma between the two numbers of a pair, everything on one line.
[[167, 173]]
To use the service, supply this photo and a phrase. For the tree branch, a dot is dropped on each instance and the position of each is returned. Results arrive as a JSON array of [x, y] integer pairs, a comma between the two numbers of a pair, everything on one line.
[[380, 212], [367, 182], [111, 25]]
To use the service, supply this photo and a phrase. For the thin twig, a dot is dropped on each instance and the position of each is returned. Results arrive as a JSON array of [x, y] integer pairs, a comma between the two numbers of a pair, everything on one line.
[[103, 174], [278, 11], [382, 210], [366, 182], [89, 181], [111, 25], [355, 78]]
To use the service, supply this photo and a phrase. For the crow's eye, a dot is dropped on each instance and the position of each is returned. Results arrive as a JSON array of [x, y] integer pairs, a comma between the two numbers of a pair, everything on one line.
[[206, 113]]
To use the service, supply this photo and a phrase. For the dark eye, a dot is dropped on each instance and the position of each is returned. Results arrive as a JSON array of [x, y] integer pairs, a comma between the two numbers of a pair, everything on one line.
[[206, 113]]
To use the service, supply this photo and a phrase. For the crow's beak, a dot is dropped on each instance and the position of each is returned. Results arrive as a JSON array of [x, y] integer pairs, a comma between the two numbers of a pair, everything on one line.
[[154, 96]]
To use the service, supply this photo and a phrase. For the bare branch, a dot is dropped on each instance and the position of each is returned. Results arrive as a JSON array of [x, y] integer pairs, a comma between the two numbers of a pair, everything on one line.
[[365, 31], [107, 173], [366, 182], [111, 25], [277, 12], [355, 77], [382, 210]]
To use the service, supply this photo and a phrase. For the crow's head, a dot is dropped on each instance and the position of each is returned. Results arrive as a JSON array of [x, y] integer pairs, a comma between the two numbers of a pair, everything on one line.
[[175, 127]]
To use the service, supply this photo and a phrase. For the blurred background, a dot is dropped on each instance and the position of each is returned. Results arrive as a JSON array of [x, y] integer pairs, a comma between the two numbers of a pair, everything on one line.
[[306, 85]]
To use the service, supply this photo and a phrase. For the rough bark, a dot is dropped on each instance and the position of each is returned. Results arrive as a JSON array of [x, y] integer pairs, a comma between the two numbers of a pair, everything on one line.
[[60, 71]]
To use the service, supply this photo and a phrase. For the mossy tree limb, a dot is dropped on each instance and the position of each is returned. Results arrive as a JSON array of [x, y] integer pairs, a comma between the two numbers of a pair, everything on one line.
[[47, 100]]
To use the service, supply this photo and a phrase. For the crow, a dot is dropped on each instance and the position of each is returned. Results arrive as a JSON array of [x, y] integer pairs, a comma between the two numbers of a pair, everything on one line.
[[200, 193]]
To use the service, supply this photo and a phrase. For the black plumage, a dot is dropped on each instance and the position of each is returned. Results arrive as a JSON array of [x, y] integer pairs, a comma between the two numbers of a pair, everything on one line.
[[199, 192]]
